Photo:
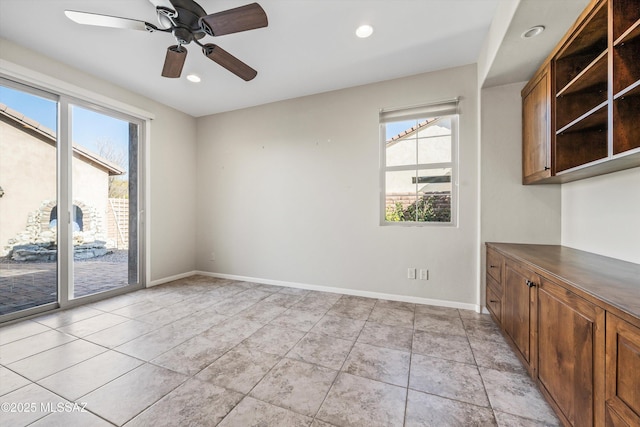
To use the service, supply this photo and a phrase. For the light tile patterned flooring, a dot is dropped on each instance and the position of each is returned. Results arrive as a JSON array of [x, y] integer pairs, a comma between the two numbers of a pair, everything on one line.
[[206, 352]]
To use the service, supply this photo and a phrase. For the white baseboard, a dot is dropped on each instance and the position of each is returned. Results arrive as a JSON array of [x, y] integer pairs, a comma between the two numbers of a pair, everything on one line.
[[345, 291], [171, 278]]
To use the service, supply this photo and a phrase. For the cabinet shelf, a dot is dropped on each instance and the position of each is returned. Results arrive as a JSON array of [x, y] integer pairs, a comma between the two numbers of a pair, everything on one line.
[[631, 34], [594, 74], [587, 45], [594, 119], [593, 33], [579, 149], [583, 141], [626, 20], [626, 64], [586, 91], [631, 90], [626, 130]]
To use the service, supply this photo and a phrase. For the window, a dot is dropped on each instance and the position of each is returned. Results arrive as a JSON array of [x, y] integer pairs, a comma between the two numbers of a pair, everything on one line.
[[419, 164]]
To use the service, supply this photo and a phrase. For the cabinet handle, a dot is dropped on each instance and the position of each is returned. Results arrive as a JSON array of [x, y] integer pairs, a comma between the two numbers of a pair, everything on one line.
[[547, 168], [493, 266], [530, 283], [494, 301]]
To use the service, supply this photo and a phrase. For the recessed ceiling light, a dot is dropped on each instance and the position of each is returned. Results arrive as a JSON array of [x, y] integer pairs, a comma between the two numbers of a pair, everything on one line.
[[532, 32], [364, 31], [193, 78]]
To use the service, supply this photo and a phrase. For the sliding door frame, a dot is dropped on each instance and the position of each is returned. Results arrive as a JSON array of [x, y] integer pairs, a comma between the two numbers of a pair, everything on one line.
[[67, 95]]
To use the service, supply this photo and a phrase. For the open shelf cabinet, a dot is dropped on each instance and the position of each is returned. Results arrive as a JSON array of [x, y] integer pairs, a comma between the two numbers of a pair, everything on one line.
[[595, 95]]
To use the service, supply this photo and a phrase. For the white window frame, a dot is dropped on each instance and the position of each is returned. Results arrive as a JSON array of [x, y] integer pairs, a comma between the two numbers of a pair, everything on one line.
[[447, 108]]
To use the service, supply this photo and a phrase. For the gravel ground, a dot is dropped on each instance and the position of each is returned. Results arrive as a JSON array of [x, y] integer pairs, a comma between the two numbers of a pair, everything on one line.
[[115, 256]]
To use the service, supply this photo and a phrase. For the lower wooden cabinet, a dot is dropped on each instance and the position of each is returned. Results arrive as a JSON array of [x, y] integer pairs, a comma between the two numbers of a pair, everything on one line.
[[583, 351], [622, 373], [570, 363]]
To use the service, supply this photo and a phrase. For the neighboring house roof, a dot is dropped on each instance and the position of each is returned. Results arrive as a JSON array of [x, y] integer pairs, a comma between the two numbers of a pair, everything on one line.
[[19, 119], [395, 139]]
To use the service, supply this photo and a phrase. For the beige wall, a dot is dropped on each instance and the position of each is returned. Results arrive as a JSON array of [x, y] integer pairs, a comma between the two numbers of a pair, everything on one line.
[[172, 159], [289, 191], [511, 212], [600, 215]]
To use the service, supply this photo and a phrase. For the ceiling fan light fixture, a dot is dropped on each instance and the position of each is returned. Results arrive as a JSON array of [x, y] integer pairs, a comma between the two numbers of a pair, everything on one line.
[[194, 78], [364, 31], [532, 32]]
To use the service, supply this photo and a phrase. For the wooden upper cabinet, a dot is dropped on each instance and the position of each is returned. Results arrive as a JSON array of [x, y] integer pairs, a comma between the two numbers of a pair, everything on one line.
[[571, 334], [536, 129], [591, 82], [622, 373]]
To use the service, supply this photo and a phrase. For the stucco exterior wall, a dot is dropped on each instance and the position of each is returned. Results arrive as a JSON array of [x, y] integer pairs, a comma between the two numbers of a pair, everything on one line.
[[28, 178], [91, 186]]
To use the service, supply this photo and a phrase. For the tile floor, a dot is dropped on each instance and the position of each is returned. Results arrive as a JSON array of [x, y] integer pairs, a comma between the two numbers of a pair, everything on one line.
[[206, 352]]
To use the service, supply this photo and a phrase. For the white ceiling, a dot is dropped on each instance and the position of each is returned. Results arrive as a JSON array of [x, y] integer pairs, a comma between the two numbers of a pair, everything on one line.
[[518, 58], [309, 46]]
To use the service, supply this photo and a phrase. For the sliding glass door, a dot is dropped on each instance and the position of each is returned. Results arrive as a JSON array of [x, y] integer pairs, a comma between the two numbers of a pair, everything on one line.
[[28, 189], [104, 201], [69, 201]]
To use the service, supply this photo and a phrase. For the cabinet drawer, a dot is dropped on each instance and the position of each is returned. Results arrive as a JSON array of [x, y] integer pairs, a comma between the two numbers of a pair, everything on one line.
[[495, 261], [494, 303], [497, 286]]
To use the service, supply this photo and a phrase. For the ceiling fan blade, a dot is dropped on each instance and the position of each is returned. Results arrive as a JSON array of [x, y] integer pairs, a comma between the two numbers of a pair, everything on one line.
[[174, 61], [243, 18], [86, 18], [228, 61]]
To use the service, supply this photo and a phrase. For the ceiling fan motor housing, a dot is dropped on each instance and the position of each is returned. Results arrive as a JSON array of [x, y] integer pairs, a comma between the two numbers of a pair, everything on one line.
[[184, 24], [183, 35]]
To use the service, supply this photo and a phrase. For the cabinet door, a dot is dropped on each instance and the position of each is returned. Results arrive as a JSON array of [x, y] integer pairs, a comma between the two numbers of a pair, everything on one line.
[[519, 298], [570, 364], [536, 129], [622, 373]]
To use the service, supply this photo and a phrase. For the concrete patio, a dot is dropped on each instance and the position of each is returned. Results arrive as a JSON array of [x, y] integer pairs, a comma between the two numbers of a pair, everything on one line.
[[30, 284]]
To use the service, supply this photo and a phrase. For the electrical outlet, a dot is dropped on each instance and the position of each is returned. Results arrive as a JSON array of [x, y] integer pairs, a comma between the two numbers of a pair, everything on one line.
[[411, 273], [212, 257], [424, 274]]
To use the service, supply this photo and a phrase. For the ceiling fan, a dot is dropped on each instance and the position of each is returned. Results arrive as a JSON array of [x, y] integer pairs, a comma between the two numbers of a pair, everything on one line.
[[188, 22]]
